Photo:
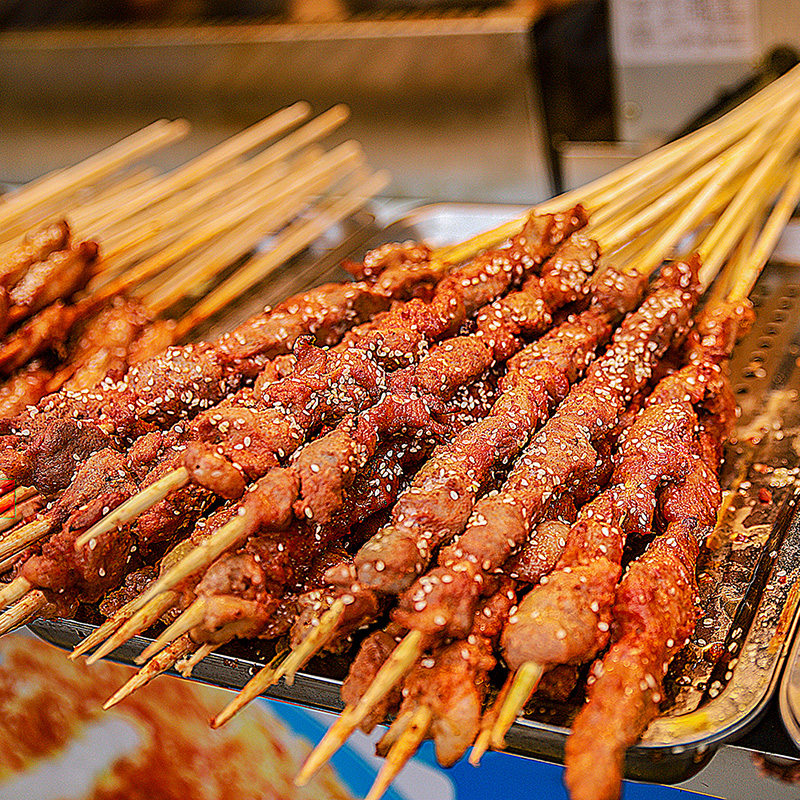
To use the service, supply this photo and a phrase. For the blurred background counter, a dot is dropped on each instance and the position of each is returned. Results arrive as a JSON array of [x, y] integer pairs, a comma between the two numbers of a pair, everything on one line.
[[486, 102]]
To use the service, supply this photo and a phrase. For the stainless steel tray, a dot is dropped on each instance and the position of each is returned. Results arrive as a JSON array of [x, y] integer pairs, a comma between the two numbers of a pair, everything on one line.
[[720, 685]]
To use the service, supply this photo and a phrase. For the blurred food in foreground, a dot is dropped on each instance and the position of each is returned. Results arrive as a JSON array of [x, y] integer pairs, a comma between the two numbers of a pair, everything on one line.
[[49, 705]]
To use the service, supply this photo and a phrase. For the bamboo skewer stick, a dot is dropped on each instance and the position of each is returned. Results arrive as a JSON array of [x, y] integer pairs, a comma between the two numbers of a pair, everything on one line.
[[132, 148], [484, 738], [217, 224], [522, 686], [392, 670], [79, 206], [233, 707], [718, 243], [191, 660], [710, 152], [192, 616], [122, 626], [136, 505], [18, 540], [243, 239], [287, 667], [737, 261], [406, 745], [747, 276], [9, 522], [14, 591], [87, 217], [26, 610], [188, 210], [162, 662], [646, 169], [218, 184], [614, 236], [695, 209], [292, 241], [208, 163]]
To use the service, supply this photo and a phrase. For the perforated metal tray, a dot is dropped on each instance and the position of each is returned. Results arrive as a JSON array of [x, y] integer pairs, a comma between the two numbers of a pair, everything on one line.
[[720, 684]]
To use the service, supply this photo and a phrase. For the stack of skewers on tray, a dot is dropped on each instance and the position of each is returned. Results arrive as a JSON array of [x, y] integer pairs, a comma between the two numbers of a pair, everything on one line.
[[113, 252], [498, 456]]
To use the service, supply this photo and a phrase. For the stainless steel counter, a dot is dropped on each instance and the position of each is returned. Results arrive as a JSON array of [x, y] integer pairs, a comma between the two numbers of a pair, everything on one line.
[[446, 104]]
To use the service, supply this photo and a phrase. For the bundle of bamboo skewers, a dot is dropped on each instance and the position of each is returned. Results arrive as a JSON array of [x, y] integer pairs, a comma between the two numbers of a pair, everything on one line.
[[187, 242], [716, 188]]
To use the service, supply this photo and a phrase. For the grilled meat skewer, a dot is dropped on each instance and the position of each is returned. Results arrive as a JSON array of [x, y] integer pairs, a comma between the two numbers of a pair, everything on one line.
[[459, 295], [427, 511], [654, 611], [442, 603], [69, 426]]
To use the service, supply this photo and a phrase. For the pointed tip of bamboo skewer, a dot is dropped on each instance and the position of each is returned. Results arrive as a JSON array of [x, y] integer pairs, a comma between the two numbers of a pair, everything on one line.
[[25, 610], [16, 541], [402, 750], [125, 626], [317, 638], [333, 739], [262, 680], [189, 662], [399, 662], [483, 741], [110, 626], [163, 661], [11, 592], [522, 687], [480, 746], [185, 622], [136, 505]]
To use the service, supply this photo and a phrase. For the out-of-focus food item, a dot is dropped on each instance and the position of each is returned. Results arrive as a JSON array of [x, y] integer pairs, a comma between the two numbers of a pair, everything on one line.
[[49, 705]]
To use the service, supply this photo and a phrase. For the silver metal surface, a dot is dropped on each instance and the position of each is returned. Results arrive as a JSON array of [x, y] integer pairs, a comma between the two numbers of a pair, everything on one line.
[[720, 684], [444, 103]]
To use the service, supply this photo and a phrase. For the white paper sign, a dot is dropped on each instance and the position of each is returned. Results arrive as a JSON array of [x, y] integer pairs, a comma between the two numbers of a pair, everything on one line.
[[681, 31]]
